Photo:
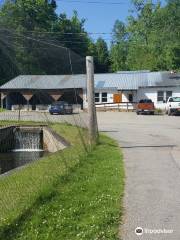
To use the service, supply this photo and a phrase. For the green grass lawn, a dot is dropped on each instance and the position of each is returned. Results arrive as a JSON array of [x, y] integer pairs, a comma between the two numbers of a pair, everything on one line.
[[68, 195], [2, 110]]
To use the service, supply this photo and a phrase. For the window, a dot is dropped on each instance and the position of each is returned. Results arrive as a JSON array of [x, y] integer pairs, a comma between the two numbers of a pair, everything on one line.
[[160, 96], [130, 97], [163, 96], [104, 97], [168, 95], [97, 98]]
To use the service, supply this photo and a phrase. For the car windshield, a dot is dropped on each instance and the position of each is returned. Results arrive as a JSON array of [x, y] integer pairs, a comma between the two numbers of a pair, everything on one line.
[[174, 99], [57, 103]]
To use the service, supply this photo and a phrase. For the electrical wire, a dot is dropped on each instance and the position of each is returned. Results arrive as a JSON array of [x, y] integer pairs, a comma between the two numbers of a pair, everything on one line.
[[60, 33], [93, 2]]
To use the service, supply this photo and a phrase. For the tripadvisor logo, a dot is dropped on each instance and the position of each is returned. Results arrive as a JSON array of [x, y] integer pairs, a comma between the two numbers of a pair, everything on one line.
[[139, 231]]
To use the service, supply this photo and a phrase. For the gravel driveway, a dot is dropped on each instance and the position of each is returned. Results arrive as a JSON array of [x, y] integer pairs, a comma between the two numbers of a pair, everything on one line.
[[151, 146], [78, 118]]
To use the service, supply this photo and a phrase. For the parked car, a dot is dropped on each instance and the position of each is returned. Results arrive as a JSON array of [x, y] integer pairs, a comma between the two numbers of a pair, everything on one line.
[[145, 106], [61, 108], [173, 105]]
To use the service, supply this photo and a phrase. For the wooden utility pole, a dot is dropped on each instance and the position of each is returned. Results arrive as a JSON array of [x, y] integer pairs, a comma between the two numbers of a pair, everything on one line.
[[93, 128]]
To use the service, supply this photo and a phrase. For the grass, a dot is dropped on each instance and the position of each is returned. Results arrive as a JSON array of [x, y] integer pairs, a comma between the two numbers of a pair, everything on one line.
[[68, 195], [2, 110], [159, 111]]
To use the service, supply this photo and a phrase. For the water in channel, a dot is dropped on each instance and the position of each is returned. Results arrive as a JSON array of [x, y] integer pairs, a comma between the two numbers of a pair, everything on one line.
[[27, 147]]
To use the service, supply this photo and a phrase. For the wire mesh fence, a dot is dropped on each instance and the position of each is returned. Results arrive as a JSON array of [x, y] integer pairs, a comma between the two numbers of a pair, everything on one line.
[[43, 121]]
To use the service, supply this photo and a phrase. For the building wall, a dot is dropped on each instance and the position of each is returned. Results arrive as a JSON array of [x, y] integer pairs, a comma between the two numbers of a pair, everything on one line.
[[152, 93], [110, 96], [125, 96]]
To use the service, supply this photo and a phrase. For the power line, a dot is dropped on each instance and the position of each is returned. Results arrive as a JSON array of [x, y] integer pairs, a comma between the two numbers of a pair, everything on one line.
[[56, 44], [67, 33], [41, 41], [93, 2], [60, 41]]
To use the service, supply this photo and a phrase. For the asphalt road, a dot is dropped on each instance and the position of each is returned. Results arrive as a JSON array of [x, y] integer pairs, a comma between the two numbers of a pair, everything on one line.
[[151, 147]]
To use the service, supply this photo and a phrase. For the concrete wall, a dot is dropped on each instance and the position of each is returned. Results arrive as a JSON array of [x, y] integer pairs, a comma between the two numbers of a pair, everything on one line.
[[6, 138], [52, 141]]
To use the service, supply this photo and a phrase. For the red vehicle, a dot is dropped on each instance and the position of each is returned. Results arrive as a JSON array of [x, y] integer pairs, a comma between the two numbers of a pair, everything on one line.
[[145, 106]]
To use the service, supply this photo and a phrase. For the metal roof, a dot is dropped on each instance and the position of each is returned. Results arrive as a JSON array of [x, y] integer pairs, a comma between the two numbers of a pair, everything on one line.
[[127, 81], [46, 82], [119, 81]]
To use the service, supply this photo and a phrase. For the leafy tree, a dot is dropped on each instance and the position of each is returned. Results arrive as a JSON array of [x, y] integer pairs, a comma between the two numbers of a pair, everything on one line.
[[8, 63], [119, 47], [101, 54], [118, 57], [119, 32], [36, 31], [28, 14], [152, 41], [78, 39]]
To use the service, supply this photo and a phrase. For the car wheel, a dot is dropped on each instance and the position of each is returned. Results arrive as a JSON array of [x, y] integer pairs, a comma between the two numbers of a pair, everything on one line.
[[137, 113], [169, 112]]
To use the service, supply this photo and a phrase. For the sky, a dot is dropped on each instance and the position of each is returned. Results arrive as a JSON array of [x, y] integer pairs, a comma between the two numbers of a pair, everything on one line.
[[99, 17]]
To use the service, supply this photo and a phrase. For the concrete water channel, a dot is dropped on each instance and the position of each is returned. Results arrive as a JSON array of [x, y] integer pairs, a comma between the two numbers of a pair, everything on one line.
[[20, 145]]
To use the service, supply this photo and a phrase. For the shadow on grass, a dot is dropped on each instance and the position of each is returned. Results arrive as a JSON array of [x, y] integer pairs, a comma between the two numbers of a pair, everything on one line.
[[12, 231]]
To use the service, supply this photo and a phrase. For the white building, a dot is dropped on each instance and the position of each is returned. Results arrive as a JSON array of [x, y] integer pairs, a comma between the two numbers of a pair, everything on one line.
[[111, 89], [135, 85]]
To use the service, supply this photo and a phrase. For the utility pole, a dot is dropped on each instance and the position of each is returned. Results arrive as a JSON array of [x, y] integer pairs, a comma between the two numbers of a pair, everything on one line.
[[92, 124], [19, 113]]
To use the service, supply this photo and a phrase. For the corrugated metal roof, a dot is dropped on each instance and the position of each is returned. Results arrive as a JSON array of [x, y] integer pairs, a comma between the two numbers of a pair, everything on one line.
[[46, 82], [127, 81], [120, 81], [163, 79]]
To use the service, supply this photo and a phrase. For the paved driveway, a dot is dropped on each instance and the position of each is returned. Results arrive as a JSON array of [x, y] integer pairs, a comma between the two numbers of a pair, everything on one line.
[[151, 146]]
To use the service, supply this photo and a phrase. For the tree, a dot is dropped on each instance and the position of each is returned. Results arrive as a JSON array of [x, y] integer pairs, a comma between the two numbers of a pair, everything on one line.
[[119, 32], [28, 15], [152, 39], [40, 38], [118, 57], [8, 63], [102, 56], [119, 47], [71, 33]]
